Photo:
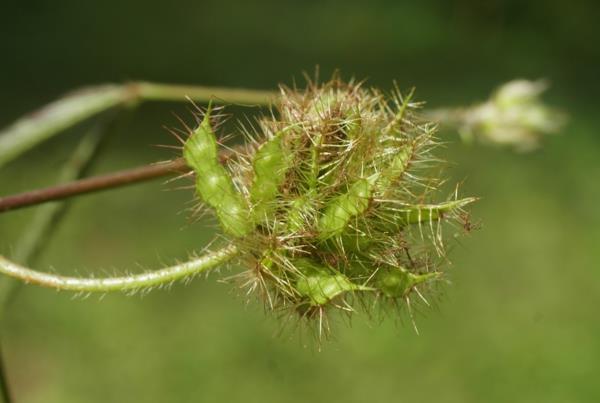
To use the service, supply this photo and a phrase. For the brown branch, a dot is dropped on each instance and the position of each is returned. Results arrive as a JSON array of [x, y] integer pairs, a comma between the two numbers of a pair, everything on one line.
[[93, 184], [101, 182]]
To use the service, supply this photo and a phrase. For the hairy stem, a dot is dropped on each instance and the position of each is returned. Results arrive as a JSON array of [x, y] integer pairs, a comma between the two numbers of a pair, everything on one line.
[[76, 107], [167, 275]]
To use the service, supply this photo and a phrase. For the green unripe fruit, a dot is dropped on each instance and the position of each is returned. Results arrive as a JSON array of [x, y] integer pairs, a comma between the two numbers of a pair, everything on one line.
[[319, 285], [393, 172], [201, 147], [299, 212], [343, 208], [433, 212], [213, 183], [270, 164], [397, 283]]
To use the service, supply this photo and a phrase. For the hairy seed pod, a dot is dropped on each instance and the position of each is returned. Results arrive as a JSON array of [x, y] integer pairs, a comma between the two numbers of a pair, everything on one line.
[[432, 212], [319, 285], [300, 212], [398, 282], [213, 183], [343, 208], [270, 165], [394, 171]]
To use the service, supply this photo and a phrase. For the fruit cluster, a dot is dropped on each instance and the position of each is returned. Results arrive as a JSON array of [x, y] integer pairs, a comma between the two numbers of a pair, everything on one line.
[[330, 204]]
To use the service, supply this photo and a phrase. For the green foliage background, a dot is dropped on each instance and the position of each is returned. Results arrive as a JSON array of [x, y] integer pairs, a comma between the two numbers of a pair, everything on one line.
[[519, 324]]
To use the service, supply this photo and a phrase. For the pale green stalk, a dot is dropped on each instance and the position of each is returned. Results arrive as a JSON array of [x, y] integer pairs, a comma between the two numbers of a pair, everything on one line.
[[172, 92], [66, 112], [149, 279]]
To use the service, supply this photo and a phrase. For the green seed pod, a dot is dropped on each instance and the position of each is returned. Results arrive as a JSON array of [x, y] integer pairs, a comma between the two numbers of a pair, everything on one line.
[[394, 170], [213, 183], [320, 285], [343, 208], [200, 149], [417, 214], [398, 282], [299, 212], [270, 164]]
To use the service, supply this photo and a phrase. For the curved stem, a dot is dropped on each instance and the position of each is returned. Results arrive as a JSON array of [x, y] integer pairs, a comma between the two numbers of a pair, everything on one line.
[[78, 106], [59, 115], [133, 282]]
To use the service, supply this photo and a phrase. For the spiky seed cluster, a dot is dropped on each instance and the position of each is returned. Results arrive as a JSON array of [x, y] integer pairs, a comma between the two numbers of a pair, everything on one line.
[[332, 200]]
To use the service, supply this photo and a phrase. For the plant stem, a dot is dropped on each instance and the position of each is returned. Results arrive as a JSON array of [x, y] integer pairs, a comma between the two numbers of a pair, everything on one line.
[[146, 91], [164, 276], [92, 184], [100, 182], [73, 108]]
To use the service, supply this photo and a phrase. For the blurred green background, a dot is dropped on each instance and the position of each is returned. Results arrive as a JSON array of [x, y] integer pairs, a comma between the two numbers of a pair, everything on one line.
[[519, 323]]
